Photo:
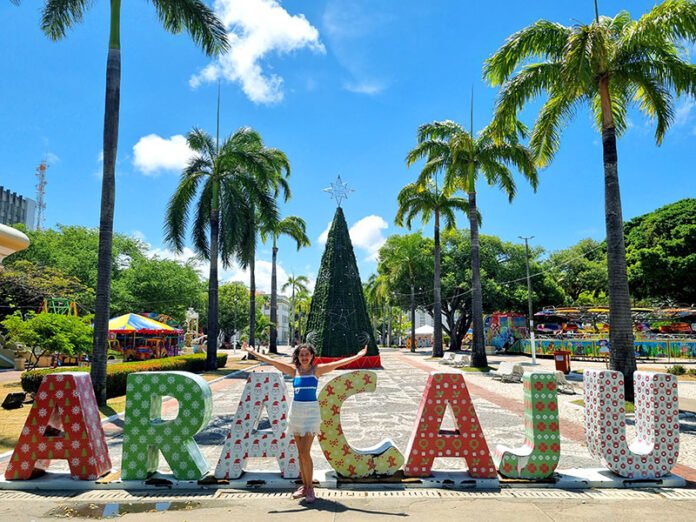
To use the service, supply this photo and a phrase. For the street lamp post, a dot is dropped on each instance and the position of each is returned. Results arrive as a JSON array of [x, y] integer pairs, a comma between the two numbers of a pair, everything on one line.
[[529, 298]]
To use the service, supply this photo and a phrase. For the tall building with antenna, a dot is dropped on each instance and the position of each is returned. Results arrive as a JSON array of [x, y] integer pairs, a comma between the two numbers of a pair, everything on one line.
[[40, 194]]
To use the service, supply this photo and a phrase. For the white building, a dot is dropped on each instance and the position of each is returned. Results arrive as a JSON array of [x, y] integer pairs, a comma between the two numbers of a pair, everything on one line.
[[283, 326]]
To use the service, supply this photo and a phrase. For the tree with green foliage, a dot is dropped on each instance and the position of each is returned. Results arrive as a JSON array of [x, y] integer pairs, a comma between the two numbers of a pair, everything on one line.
[[581, 270], [426, 199], [503, 279], [45, 334], [73, 250], [161, 285], [298, 285], [338, 324], [232, 179], [295, 228], [405, 261], [24, 285], [175, 15], [462, 157], [607, 65], [661, 254], [234, 307]]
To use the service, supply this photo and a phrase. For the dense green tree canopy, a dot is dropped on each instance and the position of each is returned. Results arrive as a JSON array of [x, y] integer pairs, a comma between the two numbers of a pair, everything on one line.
[[24, 285], [234, 307], [62, 262], [661, 254], [581, 270]]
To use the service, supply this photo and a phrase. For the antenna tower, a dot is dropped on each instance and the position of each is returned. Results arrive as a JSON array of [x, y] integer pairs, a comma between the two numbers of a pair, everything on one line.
[[40, 193]]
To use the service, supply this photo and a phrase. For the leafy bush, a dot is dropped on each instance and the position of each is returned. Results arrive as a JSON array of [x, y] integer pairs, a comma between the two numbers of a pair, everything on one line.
[[50, 333], [692, 371], [117, 374], [677, 369]]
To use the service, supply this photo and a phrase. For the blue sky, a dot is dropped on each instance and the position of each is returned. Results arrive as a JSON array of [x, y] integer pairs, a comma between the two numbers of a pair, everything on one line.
[[340, 85]]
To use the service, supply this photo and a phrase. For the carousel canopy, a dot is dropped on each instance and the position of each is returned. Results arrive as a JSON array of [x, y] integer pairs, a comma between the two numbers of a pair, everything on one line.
[[134, 323]]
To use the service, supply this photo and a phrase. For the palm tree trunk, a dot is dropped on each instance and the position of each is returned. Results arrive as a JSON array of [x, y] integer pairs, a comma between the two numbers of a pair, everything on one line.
[[437, 306], [273, 336], [211, 357], [252, 301], [622, 352], [106, 219], [413, 318], [478, 346], [292, 317]]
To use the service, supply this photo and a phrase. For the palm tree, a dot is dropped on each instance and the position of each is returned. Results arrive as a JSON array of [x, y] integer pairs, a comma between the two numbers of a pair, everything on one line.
[[295, 228], [297, 284], [377, 298], [606, 65], [209, 33], [277, 170], [234, 177], [425, 198], [462, 156], [404, 257]]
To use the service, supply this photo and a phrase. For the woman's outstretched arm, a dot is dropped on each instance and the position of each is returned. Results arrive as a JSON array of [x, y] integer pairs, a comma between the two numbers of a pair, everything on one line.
[[328, 367], [286, 368]]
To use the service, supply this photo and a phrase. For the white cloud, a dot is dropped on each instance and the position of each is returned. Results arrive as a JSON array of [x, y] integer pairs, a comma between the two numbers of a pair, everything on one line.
[[324, 236], [153, 153], [364, 87], [350, 26], [258, 28], [365, 234], [682, 113], [52, 159]]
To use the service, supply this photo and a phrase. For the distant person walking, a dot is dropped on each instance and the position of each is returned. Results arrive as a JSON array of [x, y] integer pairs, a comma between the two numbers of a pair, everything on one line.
[[305, 418]]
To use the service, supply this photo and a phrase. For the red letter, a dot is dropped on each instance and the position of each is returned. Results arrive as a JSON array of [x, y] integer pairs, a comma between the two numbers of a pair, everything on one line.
[[63, 424], [428, 441]]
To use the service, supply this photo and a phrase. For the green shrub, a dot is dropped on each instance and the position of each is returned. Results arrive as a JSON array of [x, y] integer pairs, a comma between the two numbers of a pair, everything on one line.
[[117, 374], [692, 372], [677, 369]]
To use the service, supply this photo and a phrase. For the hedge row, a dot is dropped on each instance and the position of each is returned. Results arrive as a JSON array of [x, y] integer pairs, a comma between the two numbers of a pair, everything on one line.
[[117, 374]]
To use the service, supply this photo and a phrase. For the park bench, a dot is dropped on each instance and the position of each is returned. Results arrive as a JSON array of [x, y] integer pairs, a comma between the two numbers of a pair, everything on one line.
[[447, 358], [460, 360], [508, 372], [563, 385]]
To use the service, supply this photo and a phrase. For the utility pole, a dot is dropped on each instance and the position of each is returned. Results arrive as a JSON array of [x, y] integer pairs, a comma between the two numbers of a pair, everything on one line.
[[529, 298]]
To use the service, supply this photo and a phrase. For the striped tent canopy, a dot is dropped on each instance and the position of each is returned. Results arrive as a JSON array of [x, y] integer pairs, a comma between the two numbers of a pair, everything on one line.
[[134, 323]]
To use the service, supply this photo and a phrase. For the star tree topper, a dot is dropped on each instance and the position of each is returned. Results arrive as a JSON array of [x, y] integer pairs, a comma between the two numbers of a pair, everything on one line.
[[338, 190]]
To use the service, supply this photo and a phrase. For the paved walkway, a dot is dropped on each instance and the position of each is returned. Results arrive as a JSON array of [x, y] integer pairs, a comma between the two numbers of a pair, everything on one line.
[[390, 412]]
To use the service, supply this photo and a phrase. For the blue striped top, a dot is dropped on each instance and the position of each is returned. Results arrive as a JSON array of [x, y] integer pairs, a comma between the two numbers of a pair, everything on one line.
[[305, 387]]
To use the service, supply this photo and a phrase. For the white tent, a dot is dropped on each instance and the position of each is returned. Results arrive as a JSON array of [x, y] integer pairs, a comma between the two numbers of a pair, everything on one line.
[[426, 329]]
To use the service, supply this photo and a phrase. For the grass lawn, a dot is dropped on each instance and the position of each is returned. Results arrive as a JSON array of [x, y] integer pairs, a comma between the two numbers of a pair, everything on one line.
[[630, 407], [13, 420]]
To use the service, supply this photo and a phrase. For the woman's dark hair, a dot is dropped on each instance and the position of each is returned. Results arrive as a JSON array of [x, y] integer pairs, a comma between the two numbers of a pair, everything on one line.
[[296, 354]]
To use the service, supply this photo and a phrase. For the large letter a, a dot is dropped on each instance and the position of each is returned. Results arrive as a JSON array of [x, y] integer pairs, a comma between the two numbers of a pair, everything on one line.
[[428, 441]]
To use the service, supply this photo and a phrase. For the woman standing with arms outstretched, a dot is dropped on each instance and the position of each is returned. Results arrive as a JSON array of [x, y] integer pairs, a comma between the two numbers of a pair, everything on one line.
[[305, 418]]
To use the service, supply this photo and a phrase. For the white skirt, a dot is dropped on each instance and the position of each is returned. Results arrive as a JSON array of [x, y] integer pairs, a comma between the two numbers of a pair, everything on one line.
[[304, 418]]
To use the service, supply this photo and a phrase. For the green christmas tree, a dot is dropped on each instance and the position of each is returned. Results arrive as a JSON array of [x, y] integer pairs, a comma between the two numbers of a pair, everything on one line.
[[338, 324]]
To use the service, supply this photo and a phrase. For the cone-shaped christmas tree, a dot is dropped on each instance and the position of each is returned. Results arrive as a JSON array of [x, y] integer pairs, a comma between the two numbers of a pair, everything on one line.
[[338, 324]]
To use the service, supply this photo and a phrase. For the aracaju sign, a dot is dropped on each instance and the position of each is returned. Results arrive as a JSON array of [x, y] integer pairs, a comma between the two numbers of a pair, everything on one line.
[[64, 424]]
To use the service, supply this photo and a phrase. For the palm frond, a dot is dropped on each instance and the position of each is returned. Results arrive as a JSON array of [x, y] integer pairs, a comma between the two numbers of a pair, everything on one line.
[[58, 16], [546, 135], [542, 39], [198, 19], [177, 214]]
